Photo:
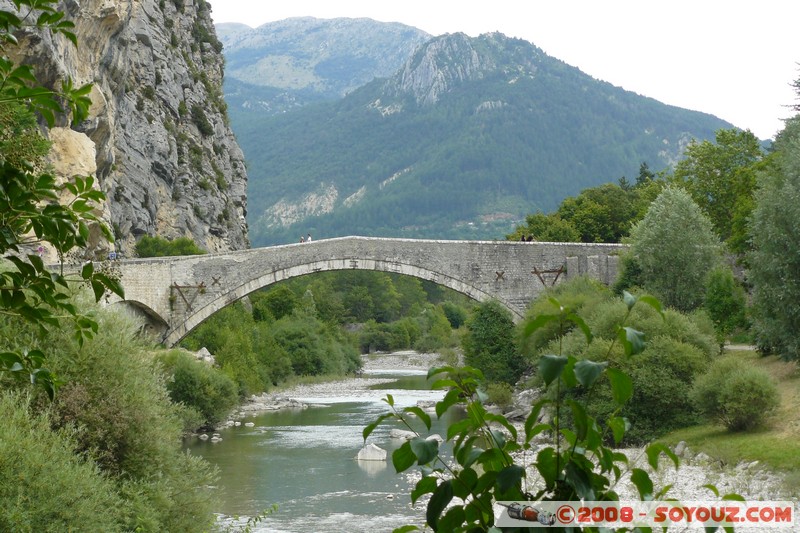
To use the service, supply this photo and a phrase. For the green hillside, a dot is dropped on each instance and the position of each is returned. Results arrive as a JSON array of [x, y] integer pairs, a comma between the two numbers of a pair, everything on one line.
[[471, 135]]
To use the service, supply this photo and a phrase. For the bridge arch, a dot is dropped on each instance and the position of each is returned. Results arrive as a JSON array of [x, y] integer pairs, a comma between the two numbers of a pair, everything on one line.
[[177, 333]]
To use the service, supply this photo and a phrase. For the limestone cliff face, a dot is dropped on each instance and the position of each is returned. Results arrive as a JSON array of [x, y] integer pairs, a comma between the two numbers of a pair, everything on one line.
[[163, 151], [449, 60]]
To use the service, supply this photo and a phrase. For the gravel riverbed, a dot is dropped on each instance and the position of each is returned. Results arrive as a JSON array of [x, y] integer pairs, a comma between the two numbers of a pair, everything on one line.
[[749, 479]]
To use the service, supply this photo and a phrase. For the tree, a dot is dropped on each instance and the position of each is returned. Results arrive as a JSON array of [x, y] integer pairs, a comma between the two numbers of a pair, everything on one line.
[[721, 179], [675, 246], [489, 343], [774, 262], [725, 302], [32, 214]]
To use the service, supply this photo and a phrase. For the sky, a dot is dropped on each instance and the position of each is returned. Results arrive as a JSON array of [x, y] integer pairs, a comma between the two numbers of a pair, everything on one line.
[[731, 58]]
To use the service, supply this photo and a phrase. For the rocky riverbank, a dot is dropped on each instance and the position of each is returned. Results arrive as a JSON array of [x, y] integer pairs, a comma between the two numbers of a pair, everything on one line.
[[750, 479], [373, 366]]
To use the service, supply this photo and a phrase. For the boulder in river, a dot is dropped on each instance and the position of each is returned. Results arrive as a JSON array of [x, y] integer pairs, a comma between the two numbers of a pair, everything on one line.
[[371, 452]]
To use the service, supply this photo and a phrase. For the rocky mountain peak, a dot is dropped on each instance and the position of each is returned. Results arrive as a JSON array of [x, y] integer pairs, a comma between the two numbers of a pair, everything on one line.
[[452, 59]]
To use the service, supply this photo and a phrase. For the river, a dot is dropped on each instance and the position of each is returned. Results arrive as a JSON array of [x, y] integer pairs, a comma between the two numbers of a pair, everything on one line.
[[303, 460]]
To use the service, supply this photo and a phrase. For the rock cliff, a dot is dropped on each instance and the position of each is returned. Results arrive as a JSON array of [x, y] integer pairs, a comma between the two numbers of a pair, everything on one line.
[[157, 137]]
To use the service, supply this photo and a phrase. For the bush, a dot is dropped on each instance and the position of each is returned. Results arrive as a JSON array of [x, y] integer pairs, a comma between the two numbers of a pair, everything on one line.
[[678, 348], [724, 303], [199, 386], [44, 485], [736, 394], [489, 343], [500, 394], [159, 247], [125, 422]]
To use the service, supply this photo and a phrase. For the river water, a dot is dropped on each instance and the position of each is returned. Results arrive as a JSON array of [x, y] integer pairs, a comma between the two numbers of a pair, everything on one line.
[[303, 460]]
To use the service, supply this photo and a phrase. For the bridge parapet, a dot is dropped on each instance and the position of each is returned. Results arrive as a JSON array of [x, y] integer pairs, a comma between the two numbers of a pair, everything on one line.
[[178, 293]]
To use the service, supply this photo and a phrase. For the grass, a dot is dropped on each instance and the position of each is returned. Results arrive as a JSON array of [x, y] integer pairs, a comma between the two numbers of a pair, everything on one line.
[[776, 444]]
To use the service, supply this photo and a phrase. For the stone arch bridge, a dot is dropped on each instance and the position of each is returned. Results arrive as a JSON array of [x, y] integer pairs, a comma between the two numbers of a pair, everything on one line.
[[176, 294]]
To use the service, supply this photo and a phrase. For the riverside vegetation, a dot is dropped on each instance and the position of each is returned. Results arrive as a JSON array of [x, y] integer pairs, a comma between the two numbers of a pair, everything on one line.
[[95, 444]]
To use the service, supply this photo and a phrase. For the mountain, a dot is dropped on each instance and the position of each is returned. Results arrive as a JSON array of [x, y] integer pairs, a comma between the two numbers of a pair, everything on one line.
[[157, 137], [286, 64], [463, 141]]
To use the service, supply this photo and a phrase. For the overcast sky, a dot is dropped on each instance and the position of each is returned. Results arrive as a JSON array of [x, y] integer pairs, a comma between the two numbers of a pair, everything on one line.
[[731, 58]]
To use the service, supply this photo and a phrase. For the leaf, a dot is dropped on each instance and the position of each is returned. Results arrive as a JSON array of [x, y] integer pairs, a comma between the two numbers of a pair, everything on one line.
[[438, 370], [653, 452], [551, 367], [546, 465], [441, 497], [403, 458], [632, 340], [422, 415], [619, 426], [621, 385], [629, 299], [579, 480], [371, 427], [424, 486], [587, 372], [426, 450], [578, 321], [450, 399], [653, 302], [87, 270], [389, 399], [510, 476], [405, 529], [533, 418], [643, 484], [538, 322]]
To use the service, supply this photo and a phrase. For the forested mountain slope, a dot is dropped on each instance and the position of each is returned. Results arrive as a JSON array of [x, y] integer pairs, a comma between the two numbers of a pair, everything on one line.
[[465, 139]]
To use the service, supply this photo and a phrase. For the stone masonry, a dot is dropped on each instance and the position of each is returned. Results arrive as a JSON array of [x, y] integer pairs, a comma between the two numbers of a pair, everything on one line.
[[175, 294]]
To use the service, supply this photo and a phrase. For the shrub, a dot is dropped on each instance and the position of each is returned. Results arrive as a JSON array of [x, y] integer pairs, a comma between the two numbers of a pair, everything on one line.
[[200, 120], [500, 394], [735, 394], [126, 423], [160, 247], [489, 343], [44, 485], [198, 385]]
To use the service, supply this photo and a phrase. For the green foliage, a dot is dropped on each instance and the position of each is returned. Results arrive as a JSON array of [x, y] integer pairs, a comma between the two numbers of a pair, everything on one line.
[[604, 213], [676, 350], [201, 121], [434, 330], [500, 394], [725, 302], [676, 247], [456, 315], [21, 143], [124, 421], [575, 464], [489, 343], [32, 214], [160, 247], [774, 263], [736, 394], [559, 132], [44, 485], [721, 178], [199, 386]]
